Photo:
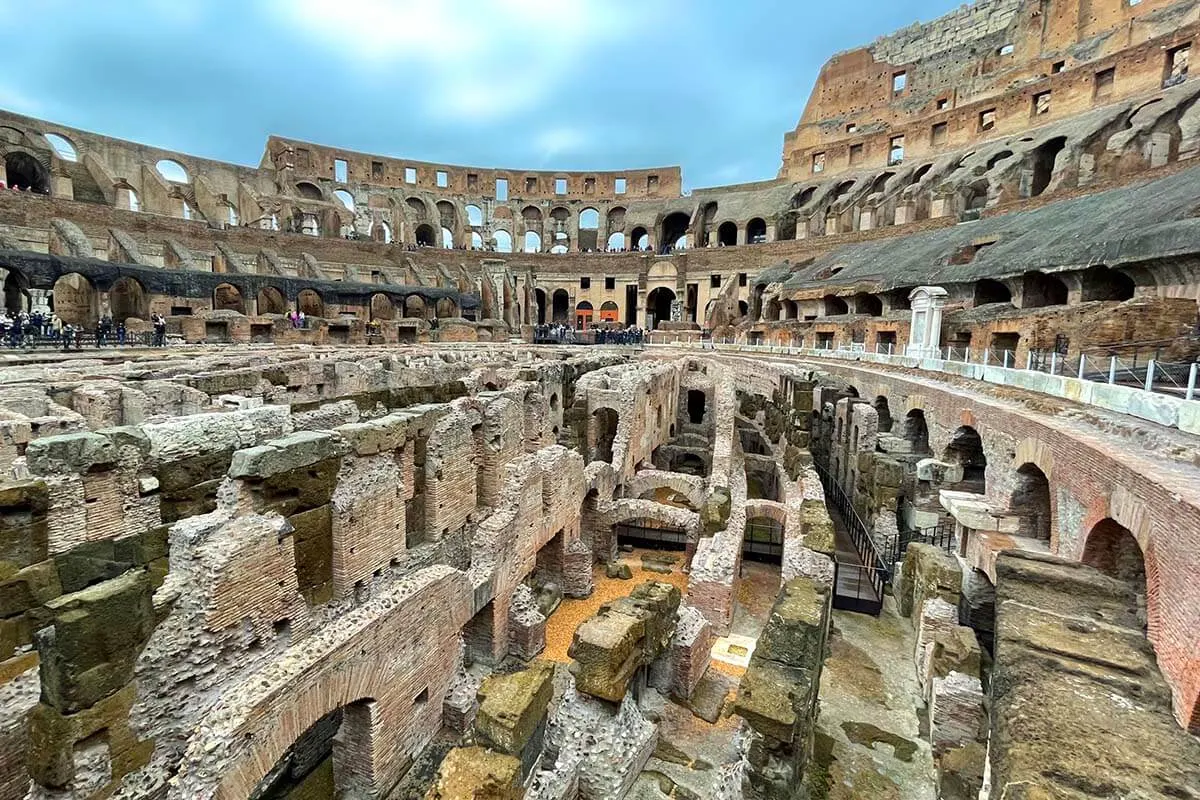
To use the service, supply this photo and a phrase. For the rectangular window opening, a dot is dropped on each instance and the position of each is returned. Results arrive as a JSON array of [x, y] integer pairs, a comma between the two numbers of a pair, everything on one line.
[[589, 185], [938, 133], [472, 181], [610, 284], [410, 175], [619, 186], [852, 128], [1105, 80], [987, 119], [856, 154], [501, 189], [742, 277], [530, 185], [560, 185], [443, 180], [714, 281], [818, 163], [652, 183], [585, 283], [895, 150], [1005, 50], [899, 82], [1041, 104], [1177, 65], [943, 104], [1057, 67], [341, 171], [377, 170]]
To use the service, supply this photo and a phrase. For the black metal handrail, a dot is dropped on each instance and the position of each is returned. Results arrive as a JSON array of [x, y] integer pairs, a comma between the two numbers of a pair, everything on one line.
[[873, 568], [940, 535]]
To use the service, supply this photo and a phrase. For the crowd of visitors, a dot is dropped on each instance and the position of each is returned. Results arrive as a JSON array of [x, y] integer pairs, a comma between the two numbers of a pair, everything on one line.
[[560, 333], [30, 329]]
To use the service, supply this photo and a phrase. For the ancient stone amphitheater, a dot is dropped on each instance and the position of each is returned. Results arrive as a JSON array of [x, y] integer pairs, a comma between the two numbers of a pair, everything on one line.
[[897, 496]]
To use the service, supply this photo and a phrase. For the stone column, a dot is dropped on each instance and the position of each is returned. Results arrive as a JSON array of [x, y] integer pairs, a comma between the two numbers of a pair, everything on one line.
[[925, 331]]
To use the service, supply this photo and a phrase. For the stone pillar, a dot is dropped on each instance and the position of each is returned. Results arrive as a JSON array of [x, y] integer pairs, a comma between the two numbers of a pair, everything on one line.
[[802, 223], [741, 234], [906, 212], [39, 300], [925, 331], [770, 231]]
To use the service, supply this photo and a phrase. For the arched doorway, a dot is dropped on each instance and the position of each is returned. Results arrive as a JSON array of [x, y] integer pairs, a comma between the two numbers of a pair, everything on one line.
[[583, 315], [310, 303], [756, 231], [445, 308], [658, 306], [75, 300], [609, 312], [695, 406], [227, 297], [604, 432], [414, 307], [674, 232], [426, 236], [966, 450], [26, 172], [1113, 549], [561, 307], [382, 307], [1040, 290], [16, 292], [1031, 502], [727, 234], [990, 291], [639, 239], [762, 540], [540, 298], [884, 413], [271, 301], [328, 759], [916, 432]]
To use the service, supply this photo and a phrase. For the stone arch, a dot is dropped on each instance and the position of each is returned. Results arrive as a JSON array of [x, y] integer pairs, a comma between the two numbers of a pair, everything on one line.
[[414, 306], [690, 487], [16, 292], [727, 233], [672, 231], [916, 431], [658, 304], [1102, 283], [756, 231], [868, 304], [271, 301], [446, 308], [1032, 502], [834, 306], [884, 413], [227, 297], [1036, 452], [26, 172], [990, 291], [309, 191], [1114, 550], [560, 307], [639, 239], [311, 303], [425, 235], [1040, 290], [382, 307], [383, 669], [966, 449], [172, 171], [76, 300]]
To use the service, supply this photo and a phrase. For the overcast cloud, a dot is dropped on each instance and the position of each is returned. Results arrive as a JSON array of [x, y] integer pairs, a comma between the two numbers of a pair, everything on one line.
[[539, 84]]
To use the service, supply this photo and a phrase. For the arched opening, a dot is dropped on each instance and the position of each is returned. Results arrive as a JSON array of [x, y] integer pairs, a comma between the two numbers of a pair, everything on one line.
[[425, 235], [560, 307], [583, 315], [1102, 283], [763, 540], [674, 232], [345, 198], [503, 241], [1031, 502], [756, 231], [1113, 549], [868, 304], [640, 239], [533, 242], [447, 239], [996, 159], [26, 172], [604, 422], [62, 146], [916, 432], [474, 216], [271, 301], [884, 412], [309, 191], [445, 308], [75, 300], [966, 450], [689, 464], [1041, 290], [127, 298], [172, 171], [727, 234], [658, 306], [990, 291], [650, 534], [743, 308], [414, 307], [789, 309], [616, 241], [331, 758], [1043, 164], [540, 299], [16, 293], [609, 312], [310, 303], [227, 297], [382, 307], [695, 406], [834, 306], [381, 232], [476, 241]]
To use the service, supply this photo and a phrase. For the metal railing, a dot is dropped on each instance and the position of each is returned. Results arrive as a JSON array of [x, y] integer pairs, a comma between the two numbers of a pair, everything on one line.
[[1178, 378], [857, 587], [940, 535]]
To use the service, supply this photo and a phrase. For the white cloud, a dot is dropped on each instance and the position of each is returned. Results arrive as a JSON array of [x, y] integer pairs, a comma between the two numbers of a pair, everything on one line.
[[468, 60], [555, 142]]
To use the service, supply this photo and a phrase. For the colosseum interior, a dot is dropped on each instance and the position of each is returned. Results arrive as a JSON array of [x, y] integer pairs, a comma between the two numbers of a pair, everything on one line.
[[877, 479]]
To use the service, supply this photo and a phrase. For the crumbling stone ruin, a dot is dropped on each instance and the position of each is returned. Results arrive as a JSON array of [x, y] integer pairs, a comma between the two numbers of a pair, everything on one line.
[[885, 501]]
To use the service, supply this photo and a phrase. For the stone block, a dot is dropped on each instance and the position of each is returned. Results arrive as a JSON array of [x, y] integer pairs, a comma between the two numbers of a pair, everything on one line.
[[292, 452], [71, 453], [956, 713], [29, 588], [928, 572], [475, 773], [512, 707], [798, 624], [93, 640], [24, 538]]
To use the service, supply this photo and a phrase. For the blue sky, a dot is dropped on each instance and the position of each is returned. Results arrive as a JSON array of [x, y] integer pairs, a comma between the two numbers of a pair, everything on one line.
[[534, 84]]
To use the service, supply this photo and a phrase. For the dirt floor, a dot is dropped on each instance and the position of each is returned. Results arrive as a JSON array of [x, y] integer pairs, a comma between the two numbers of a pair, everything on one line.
[[566, 618]]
